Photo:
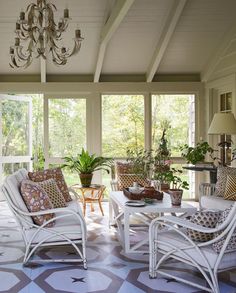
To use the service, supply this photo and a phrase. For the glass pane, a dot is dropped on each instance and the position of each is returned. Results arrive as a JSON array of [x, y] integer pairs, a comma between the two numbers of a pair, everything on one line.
[[186, 176], [176, 113], [10, 168], [122, 124], [71, 178], [67, 126], [15, 128]]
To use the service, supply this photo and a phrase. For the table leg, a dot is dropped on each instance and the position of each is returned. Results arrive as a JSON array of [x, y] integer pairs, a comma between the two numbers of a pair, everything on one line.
[[126, 231]]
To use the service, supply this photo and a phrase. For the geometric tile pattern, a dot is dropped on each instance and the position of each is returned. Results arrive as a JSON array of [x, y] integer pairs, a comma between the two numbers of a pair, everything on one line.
[[110, 270]]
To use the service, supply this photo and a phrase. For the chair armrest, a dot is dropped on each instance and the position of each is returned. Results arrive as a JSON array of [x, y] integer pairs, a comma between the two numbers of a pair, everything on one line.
[[170, 221], [73, 193], [206, 189]]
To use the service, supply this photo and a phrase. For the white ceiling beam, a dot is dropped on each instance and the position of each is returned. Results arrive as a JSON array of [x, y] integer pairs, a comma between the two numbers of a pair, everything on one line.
[[43, 70], [118, 13], [166, 35], [217, 55]]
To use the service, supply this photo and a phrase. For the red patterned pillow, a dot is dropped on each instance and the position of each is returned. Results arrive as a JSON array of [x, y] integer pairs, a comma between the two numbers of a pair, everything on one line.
[[36, 199], [55, 174]]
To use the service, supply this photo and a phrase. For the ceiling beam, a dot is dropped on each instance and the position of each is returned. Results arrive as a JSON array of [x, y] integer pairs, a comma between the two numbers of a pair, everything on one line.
[[218, 54], [166, 35], [118, 13]]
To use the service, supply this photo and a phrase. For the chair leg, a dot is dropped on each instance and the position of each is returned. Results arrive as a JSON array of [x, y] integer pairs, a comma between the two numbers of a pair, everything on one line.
[[100, 205], [84, 208], [92, 207]]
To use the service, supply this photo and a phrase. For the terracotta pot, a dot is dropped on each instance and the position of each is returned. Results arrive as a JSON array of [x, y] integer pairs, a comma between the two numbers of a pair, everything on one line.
[[86, 179], [176, 196]]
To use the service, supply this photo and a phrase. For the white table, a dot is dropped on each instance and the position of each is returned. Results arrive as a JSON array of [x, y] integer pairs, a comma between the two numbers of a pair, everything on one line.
[[120, 213]]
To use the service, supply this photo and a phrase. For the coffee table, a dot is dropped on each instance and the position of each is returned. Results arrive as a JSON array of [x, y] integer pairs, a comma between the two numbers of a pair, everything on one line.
[[120, 214]]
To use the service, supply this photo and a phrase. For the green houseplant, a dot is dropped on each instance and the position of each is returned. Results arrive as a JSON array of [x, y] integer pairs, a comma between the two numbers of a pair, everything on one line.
[[172, 177], [197, 154], [85, 164]]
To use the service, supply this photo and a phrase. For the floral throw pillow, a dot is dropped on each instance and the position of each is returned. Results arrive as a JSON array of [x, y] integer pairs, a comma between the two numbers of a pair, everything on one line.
[[53, 192], [232, 242], [222, 173], [36, 199], [55, 174], [207, 219]]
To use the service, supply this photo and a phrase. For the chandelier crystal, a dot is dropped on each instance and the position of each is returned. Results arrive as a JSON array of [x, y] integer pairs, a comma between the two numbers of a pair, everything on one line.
[[37, 35]]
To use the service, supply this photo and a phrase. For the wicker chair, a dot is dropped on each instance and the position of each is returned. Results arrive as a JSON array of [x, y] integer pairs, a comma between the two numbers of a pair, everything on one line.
[[69, 228], [168, 240]]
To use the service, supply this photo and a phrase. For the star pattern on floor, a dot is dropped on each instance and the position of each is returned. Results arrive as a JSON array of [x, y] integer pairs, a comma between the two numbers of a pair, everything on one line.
[[76, 280], [109, 268]]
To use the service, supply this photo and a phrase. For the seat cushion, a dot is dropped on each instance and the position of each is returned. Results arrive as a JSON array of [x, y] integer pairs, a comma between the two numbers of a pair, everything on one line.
[[177, 241], [54, 193], [36, 199], [55, 174], [215, 202], [70, 226]]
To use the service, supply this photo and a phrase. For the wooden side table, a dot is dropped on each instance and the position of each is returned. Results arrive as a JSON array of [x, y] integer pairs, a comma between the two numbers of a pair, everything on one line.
[[93, 193]]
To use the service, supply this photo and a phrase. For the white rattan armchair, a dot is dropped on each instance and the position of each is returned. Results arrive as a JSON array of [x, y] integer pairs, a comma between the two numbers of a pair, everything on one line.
[[168, 240], [69, 228]]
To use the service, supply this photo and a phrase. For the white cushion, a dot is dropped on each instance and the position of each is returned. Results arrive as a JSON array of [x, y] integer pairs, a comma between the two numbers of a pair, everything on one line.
[[70, 226], [215, 202], [171, 237], [12, 186]]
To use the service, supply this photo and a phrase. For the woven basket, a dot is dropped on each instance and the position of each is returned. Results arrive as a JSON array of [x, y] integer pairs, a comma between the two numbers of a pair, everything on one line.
[[148, 192]]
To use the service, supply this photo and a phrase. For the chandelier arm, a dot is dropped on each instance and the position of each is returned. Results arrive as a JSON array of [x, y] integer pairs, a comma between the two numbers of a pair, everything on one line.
[[20, 54]]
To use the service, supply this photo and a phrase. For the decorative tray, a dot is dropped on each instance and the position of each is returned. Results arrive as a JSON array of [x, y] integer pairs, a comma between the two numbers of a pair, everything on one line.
[[148, 192]]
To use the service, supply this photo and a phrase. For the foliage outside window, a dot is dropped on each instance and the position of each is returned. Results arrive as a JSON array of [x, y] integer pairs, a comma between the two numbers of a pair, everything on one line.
[[173, 110], [122, 124], [67, 126]]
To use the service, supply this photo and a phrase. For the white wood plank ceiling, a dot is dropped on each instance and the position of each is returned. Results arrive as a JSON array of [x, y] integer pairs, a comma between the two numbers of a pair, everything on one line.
[[133, 37]]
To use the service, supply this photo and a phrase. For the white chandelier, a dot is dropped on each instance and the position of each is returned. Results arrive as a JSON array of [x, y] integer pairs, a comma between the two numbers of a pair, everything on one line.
[[38, 31]]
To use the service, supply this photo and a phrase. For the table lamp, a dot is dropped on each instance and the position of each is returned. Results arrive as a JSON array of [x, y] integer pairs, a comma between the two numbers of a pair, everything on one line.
[[223, 124]]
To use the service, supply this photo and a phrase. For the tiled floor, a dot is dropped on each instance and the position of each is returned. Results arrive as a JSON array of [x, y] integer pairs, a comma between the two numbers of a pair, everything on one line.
[[109, 269]]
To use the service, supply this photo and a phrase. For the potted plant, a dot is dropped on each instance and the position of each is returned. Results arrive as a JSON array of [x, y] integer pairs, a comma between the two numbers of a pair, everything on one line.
[[85, 164], [173, 178], [197, 154]]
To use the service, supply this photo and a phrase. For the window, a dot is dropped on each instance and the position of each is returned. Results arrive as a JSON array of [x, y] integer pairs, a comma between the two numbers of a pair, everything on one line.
[[176, 113], [173, 112], [15, 133], [122, 124], [67, 126]]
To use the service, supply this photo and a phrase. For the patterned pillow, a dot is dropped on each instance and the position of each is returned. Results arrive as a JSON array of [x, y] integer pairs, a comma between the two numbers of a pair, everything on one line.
[[232, 242], [53, 192], [222, 173], [230, 188], [36, 199], [207, 219], [55, 174], [127, 180]]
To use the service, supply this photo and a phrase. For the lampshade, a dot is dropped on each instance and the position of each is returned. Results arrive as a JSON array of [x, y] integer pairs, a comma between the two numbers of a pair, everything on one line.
[[223, 123]]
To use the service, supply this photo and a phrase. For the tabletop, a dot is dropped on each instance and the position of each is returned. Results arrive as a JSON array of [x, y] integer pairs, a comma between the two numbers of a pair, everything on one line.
[[157, 206]]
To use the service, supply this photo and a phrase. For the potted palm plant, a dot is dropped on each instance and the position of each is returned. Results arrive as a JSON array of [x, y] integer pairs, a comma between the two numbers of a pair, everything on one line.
[[85, 164]]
